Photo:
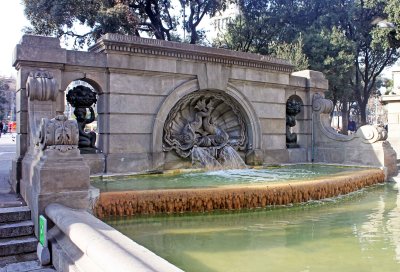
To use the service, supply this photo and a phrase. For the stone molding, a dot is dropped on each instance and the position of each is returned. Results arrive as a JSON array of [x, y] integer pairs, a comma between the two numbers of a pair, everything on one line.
[[131, 44]]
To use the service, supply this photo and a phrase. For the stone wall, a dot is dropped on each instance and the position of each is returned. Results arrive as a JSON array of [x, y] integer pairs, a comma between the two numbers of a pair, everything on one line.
[[138, 82]]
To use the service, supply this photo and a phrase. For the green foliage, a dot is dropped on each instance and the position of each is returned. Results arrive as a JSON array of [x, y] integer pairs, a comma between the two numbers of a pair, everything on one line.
[[293, 52], [341, 39], [3, 99], [154, 18]]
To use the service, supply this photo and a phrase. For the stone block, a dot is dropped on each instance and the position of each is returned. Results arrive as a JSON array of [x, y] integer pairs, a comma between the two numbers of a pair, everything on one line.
[[298, 155], [13, 214], [96, 163], [37, 54], [238, 73], [40, 41], [126, 143], [255, 157], [21, 100], [86, 59], [72, 172], [142, 104], [264, 93], [185, 67], [22, 144], [145, 63], [275, 141], [129, 123], [103, 104], [315, 80], [144, 83], [270, 110], [128, 162], [14, 246], [276, 77], [297, 81], [16, 229], [273, 126], [277, 156], [213, 76], [22, 122]]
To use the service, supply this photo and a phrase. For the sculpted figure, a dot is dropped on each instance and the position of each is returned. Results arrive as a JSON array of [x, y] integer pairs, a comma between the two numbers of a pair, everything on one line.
[[293, 107], [82, 97], [86, 139]]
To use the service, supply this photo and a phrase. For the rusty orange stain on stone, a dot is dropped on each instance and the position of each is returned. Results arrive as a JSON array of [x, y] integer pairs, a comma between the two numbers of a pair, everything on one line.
[[129, 203]]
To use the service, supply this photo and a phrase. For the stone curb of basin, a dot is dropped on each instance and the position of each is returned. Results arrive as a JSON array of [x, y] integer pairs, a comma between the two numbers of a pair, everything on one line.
[[104, 247]]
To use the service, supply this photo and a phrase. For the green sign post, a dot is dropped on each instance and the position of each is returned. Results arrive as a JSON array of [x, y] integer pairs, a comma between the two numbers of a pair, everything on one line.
[[43, 231]]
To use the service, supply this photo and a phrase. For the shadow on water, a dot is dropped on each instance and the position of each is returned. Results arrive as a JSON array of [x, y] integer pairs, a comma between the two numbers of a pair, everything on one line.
[[360, 230]]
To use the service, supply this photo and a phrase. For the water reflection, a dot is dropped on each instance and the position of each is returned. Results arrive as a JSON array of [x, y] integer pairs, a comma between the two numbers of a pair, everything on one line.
[[358, 232]]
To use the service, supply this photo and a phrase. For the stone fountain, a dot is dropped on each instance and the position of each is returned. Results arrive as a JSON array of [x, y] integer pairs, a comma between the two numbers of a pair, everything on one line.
[[164, 105]]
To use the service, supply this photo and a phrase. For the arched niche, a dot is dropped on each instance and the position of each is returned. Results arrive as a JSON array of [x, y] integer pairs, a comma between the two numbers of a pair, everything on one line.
[[96, 125], [295, 122], [185, 90]]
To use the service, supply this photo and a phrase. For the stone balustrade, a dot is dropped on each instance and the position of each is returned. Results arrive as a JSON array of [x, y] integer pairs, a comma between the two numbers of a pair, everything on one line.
[[81, 242]]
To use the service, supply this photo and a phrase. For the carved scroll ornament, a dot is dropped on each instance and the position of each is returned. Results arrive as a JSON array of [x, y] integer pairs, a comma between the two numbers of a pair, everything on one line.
[[366, 133], [41, 85], [58, 133]]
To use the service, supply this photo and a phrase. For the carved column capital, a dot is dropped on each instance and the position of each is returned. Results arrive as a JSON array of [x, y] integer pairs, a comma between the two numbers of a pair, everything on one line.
[[41, 86], [58, 133]]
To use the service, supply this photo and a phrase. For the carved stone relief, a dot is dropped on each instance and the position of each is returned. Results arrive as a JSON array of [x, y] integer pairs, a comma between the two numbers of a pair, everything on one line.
[[58, 133], [204, 119]]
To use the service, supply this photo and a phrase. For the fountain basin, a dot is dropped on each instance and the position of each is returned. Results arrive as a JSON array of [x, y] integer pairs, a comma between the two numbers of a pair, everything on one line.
[[250, 195], [356, 232]]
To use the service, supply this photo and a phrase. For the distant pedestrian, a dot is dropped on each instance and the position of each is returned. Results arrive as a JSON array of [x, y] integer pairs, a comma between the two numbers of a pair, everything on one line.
[[5, 130], [1, 127]]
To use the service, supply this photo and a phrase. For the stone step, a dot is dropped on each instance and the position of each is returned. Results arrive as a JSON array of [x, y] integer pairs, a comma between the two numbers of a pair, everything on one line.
[[14, 214], [19, 258], [18, 245], [15, 229], [27, 266]]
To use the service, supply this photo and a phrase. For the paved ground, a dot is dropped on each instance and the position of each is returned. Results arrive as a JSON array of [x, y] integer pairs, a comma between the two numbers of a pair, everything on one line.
[[7, 154], [9, 199]]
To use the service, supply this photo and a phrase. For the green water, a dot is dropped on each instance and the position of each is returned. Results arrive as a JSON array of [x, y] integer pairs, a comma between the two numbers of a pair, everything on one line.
[[219, 178], [358, 232]]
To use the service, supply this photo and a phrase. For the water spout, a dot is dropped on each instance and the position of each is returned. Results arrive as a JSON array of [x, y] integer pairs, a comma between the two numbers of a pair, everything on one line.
[[204, 158], [231, 159], [211, 158]]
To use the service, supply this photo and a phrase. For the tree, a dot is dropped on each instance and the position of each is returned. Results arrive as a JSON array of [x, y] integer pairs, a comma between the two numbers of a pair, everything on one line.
[[340, 40], [6, 96], [293, 52], [198, 9], [393, 11], [152, 18]]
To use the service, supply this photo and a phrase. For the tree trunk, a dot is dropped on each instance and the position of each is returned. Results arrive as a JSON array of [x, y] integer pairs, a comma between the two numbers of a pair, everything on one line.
[[345, 117], [363, 112]]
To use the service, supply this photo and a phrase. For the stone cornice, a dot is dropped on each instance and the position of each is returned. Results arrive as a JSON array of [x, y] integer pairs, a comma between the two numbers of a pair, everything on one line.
[[113, 43]]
